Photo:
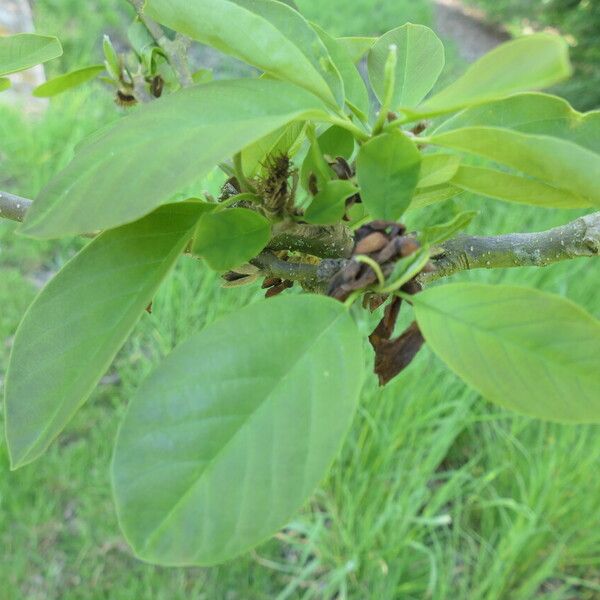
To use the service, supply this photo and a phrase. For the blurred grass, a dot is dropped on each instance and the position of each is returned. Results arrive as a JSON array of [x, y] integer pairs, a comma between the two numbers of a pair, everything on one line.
[[436, 494]]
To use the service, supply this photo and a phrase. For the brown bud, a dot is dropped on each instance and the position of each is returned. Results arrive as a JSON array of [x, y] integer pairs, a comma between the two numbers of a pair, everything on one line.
[[372, 243]]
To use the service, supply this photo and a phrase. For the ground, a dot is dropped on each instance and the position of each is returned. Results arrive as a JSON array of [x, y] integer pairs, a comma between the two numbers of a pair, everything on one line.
[[436, 494]]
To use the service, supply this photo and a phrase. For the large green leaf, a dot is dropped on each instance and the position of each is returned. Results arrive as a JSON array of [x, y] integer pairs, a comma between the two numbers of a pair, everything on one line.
[[265, 33], [523, 349], [534, 113], [67, 81], [515, 188], [140, 162], [531, 62], [229, 437], [420, 62], [558, 162], [357, 96], [4, 83], [388, 168], [229, 238], [25, 50], [74, 328]]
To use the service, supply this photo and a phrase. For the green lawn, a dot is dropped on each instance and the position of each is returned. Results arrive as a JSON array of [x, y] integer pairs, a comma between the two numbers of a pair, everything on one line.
[[436, 494]]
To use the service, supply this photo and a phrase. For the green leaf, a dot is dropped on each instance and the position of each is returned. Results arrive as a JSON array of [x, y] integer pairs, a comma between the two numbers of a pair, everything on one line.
[[4, 83], [406, 269], [437, 169], [515, 188], [73, 330], [436, 234], [26, 50], [275, 38], [229, 238], [433, 195], [420, 62], [535, 113], [225, 442], [530, 62], [357, 96], [67, 81], [333, 142], [139, 162], [112, 61], [388, 169], [329, 205], [560, 163], [523, 349], [357, 47]]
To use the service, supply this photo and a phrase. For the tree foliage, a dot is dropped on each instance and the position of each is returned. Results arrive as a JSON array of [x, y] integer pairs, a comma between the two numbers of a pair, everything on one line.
[[232, 433]]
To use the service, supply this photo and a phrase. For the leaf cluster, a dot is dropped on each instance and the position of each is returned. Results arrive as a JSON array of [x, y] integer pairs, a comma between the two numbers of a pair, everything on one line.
[[231, 434]]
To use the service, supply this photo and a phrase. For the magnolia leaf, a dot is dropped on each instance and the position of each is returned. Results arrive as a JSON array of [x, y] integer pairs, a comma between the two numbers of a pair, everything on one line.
[[225, 442], [420, 62], [357, 96], [534, 113], [231, 237], [515, 188], [276, 39], [529, 351], [530, 62], [437, 169], [560, 163], [329, 205], [4, 83], [406, 269], [333, 142], [357, 47], [112, 62], [137, 163], [434, 195], [67, 81], [388, 168], [73, 330], [26, 50], [436, 234]]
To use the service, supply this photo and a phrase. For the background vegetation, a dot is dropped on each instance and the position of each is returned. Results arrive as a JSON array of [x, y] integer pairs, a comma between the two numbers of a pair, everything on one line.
[[436, 495], [577, 20]]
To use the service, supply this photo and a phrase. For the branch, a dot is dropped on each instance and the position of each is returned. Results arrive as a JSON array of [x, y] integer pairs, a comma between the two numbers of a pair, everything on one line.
[[324, 241], [574, 240], [174, 49], [315, 277], [580, 238], [13, 207]]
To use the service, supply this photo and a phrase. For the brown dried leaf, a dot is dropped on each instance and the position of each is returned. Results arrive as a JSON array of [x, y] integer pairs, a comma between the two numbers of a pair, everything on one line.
[[393, 356]]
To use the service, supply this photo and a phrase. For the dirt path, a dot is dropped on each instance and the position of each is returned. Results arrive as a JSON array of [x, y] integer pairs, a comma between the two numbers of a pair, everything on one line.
[[466, 26]]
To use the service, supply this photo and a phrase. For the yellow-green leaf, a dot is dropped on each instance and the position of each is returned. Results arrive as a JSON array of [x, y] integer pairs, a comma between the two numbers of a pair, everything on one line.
[[25, 50], [73, 330], [529, 351]]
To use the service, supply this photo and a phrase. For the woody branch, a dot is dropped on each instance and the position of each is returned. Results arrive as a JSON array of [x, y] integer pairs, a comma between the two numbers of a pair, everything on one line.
[[579, 238]]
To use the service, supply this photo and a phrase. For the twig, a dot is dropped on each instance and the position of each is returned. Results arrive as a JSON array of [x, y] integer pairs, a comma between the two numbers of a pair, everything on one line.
[[13, 207], [580, 238], [334, 244]]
